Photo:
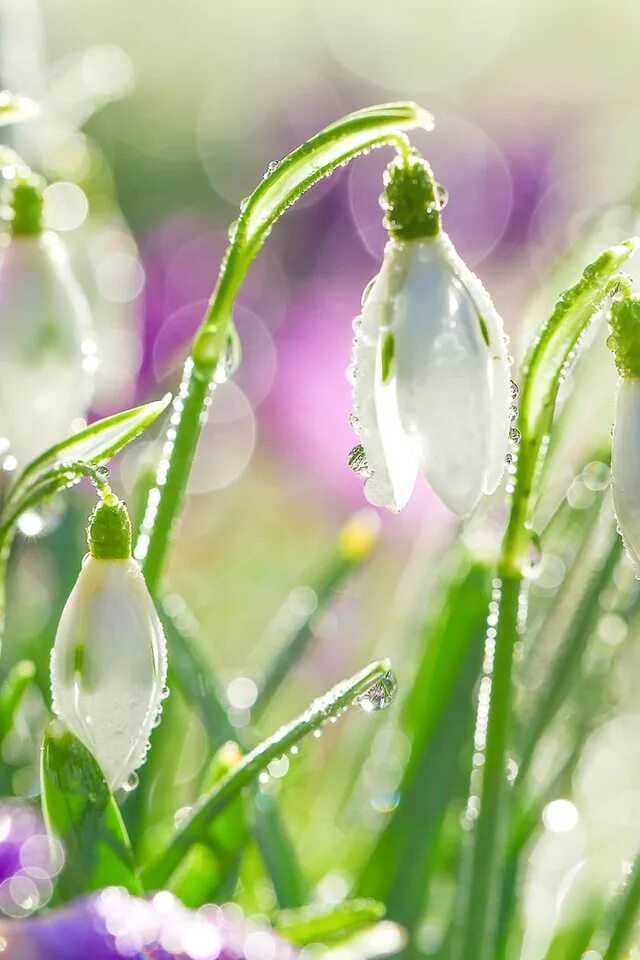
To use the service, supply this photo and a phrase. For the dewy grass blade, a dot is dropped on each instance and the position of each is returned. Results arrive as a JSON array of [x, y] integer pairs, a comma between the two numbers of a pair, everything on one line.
[[95, 444], [80, 811], [212, 803]]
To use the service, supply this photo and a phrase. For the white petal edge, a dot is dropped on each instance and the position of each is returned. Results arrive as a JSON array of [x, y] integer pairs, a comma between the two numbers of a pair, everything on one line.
[[625, 466], [393, 467], [498, 367]]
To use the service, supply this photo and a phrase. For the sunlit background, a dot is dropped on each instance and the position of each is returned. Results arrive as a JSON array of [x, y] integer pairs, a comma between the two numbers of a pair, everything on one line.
[[158, 119]]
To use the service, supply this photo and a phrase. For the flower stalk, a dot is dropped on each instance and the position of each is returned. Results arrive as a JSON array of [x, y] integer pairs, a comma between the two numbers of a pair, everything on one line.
[[549, 358]]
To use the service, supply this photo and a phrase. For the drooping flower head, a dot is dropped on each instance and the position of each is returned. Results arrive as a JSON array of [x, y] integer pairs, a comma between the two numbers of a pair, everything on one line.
[[109, 661], [48, 352], [430, 368]]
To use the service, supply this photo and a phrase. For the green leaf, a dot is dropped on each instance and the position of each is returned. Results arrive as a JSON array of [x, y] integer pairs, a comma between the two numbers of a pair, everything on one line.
[[438, 718], [554, 346], [212, 803], [322, 924], [12, 692], [319, 156], [59, 466], [80, 811], [15, 109]]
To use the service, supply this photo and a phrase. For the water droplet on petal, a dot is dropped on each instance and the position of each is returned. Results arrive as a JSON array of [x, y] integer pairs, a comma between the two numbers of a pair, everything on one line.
[[514, 435], [380, 695], [357, 461], [131, 782], [514, 390], [442, 196]]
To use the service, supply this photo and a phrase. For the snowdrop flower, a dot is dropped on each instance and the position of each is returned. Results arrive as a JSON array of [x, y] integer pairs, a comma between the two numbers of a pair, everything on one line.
[[430, 372], [109, 661], [624, 320], [47, 355]]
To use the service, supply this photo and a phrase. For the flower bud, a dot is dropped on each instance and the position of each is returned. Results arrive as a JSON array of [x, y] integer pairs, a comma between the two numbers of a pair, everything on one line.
[[47, 356], [430, 371], [109, 661], [624, 341]]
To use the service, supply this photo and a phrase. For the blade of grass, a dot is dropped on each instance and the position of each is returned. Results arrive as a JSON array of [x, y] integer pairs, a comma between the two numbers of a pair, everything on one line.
[[211, 804]]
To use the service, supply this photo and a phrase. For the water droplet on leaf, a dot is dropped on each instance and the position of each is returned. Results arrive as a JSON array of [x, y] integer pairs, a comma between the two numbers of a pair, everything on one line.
[[380, 695]]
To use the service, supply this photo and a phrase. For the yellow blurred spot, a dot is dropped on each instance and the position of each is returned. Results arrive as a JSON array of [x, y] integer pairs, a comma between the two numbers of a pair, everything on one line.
[[359, 535], [229, 754]]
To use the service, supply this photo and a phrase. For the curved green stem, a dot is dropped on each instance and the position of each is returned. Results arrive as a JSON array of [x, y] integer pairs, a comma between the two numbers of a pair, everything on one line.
[[332, 147], [545, 365]]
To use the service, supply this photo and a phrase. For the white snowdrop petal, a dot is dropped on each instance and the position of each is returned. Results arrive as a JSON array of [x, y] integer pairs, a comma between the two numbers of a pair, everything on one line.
[[625, 465], [392, 466], [45, 381], [498, 367], [108, 665], [442, 372]]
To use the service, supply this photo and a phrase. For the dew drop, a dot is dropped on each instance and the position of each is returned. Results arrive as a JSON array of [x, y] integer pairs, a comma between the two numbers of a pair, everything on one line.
[[131, 782], [103, 473], [230, 358], [244, 202], [357, 461], [514, 390], [513, 412], [354, 423], [380, 695], [514, 435], [532, 559], [442, 196], [232, 230], [273, 166]]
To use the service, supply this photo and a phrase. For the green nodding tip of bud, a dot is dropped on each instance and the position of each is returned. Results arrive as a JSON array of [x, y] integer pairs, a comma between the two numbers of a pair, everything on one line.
[[26, 204], [624, 337], [109, 530], [411, 200]]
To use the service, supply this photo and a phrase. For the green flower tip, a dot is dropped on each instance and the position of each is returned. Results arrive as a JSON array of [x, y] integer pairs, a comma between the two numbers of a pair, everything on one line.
[[411, 200], [109, 530], [624, 339], [26, 205]]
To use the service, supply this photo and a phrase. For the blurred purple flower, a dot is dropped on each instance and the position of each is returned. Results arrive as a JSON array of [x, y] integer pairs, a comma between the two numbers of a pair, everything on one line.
[[29, 860], [112, 925]]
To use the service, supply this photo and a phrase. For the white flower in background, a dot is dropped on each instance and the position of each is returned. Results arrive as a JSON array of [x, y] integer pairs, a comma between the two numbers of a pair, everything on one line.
[[431, 384], [109, 661], [624, 321], [47, 353]]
